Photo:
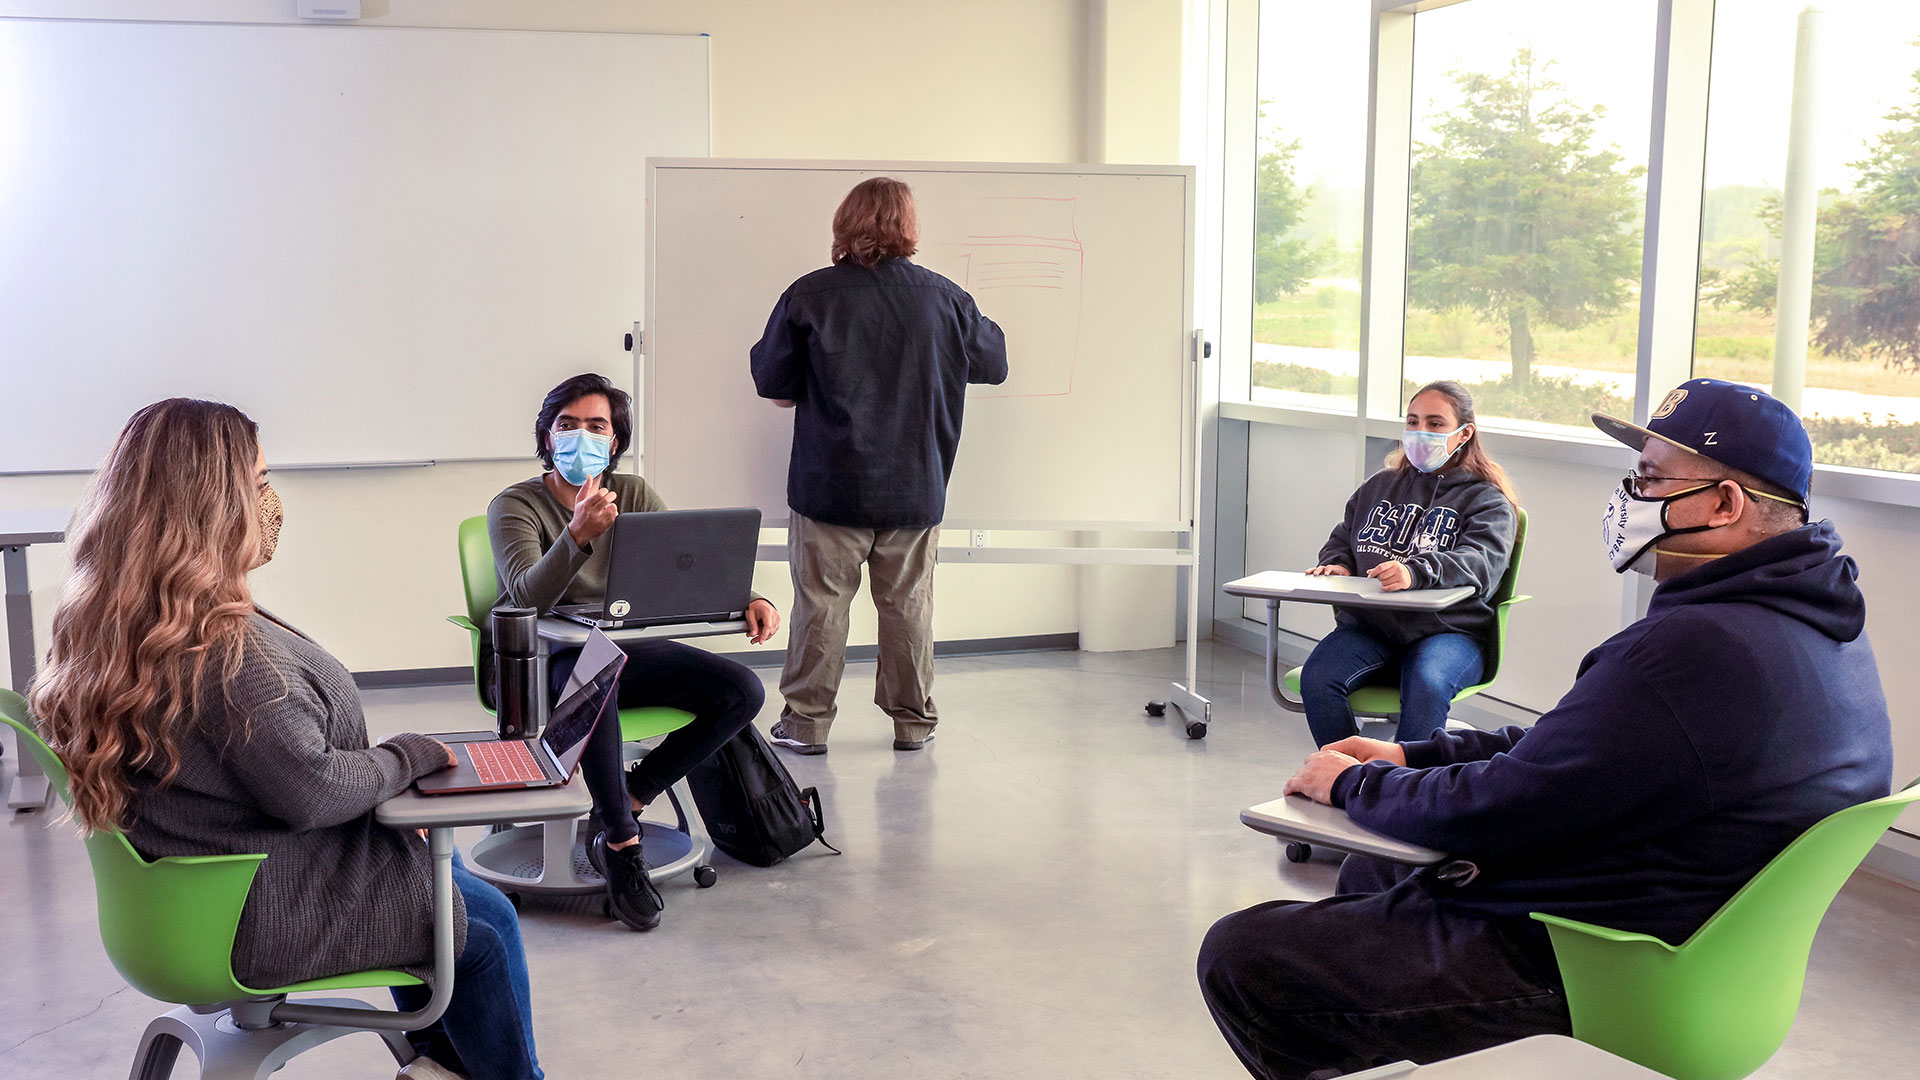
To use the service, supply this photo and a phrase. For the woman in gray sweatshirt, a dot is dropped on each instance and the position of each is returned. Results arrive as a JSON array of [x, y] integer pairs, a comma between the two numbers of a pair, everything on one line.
[[1440, 515], [197, 724]]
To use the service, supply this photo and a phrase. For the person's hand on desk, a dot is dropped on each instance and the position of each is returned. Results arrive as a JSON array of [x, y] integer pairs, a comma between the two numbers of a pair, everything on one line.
[[1330, 570], [594, 509], [762, 621], [451, 763], [1317, 774], [1364, 750], [1392, 576]]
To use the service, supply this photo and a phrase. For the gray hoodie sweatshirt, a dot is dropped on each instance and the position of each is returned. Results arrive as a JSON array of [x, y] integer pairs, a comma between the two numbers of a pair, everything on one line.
[[1449, 528]]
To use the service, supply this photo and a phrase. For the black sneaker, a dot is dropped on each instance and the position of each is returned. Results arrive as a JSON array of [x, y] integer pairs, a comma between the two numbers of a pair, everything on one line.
[[630, 893], [778, 735], [912, 744]]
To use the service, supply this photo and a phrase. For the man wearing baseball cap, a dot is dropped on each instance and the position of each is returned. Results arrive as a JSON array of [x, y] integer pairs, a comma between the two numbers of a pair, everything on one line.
[[1693, 747]]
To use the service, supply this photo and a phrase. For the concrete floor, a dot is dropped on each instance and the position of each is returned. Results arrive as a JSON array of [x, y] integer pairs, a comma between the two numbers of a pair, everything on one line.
[[1023, 899]]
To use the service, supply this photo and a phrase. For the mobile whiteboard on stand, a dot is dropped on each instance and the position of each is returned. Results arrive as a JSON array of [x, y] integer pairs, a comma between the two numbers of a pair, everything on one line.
[[1088, 268]]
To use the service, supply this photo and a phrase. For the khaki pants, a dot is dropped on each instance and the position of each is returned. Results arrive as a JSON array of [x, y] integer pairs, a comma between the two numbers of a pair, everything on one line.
[[826, 560]]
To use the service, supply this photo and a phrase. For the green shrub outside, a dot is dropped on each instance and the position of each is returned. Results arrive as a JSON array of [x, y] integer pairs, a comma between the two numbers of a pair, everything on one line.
[[1855, 442], [1548, 400]]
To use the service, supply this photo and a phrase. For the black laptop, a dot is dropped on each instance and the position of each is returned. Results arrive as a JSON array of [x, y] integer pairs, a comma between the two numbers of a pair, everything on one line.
[[489, 764], [675, 566]]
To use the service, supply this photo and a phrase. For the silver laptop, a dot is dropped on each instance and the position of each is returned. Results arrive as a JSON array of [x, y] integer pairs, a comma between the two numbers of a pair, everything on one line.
[[484, 763], [675, 566]]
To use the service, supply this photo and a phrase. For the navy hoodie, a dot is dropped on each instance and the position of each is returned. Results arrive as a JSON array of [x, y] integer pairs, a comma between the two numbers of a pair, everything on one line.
[[1450, 528], [1694, 746]]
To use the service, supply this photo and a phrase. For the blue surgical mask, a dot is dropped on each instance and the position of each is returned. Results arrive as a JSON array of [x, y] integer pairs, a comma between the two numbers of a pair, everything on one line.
[[1427, 450], [580, 455]]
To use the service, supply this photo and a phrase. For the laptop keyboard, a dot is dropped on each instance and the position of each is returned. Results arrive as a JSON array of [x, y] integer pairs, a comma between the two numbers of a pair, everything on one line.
[[504, 762]]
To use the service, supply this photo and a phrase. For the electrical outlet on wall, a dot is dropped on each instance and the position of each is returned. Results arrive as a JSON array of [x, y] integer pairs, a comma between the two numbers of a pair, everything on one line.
[[979, 538]]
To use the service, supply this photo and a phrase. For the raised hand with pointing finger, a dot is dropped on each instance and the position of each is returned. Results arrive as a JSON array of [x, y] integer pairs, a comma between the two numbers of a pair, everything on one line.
[[594, 509]]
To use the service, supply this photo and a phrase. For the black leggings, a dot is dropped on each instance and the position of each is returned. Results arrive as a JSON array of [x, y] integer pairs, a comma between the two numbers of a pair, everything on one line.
[[723, 695]]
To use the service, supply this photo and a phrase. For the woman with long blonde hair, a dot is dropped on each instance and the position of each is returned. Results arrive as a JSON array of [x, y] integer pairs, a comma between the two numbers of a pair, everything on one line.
[[1440, 515], [197, 724]]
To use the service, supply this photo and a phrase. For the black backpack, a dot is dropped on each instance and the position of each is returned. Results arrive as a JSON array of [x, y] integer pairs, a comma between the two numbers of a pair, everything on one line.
[[753, 809]]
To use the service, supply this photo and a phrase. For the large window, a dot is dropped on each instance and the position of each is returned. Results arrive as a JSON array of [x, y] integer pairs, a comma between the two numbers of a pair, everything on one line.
[[1309, 202], [1530, 135], [1858, 292]]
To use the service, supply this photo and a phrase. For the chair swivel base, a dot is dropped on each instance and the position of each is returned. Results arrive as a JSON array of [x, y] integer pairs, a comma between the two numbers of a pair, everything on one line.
[[551, 859], [227, 1052]]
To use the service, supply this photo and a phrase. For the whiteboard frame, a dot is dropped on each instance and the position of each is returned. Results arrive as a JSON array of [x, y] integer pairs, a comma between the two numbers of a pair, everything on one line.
[[1190, 388]]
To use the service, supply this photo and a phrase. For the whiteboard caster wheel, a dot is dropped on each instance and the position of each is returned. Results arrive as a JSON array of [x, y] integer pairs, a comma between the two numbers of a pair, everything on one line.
[[606, 909], [1196, 730], [1298, 852], [1156, 708], [705, 876]]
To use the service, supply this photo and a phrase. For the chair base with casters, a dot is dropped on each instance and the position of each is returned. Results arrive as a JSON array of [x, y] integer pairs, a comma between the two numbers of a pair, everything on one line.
[[227, 1051], [168, 926], [550, 859]]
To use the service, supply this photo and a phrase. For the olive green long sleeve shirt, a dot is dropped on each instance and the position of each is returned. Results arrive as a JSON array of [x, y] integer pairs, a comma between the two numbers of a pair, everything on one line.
[[534, 555]]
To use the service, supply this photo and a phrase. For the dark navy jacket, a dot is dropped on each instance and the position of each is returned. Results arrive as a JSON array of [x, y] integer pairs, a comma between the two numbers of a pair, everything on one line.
[[877, 363], [1694, 746]]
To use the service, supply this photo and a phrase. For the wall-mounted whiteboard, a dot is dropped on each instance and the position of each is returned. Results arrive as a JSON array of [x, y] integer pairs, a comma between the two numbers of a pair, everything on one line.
[[385, 244], [1087, 268]]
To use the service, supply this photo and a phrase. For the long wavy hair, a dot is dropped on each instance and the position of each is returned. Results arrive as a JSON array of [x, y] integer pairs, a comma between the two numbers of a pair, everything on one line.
[[158, 602], [1471, 458]]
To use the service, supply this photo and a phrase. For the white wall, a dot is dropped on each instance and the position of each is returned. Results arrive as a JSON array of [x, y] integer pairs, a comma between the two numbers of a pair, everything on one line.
[[367, 561], [1300, 480]]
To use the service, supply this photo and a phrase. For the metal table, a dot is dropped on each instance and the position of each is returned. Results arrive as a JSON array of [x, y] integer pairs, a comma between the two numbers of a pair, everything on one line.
[[20, 529], [1299, 819], [542, 859], [1275, 586]]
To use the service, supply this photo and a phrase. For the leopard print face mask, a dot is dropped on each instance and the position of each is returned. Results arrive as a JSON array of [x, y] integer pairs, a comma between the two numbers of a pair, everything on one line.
[[271, 517]]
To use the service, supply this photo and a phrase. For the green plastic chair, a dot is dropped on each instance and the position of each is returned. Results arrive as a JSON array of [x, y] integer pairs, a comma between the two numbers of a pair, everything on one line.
[[1383, 702], [558, 868], [1719, 1005], [168, 926]]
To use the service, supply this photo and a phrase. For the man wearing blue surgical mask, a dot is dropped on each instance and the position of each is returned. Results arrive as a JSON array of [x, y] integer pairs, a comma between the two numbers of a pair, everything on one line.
[[1693, 747], [545, 534]]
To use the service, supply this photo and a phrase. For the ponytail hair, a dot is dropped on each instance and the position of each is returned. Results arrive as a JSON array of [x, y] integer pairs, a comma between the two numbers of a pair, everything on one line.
[[1472, 457]]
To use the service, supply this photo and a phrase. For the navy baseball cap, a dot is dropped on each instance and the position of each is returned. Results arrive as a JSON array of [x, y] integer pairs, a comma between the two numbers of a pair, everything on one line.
[[1738, 426]]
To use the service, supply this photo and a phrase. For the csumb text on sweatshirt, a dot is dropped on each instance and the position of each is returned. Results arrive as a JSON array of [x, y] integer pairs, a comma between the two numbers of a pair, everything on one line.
[[1448, 527], [1693, 747]]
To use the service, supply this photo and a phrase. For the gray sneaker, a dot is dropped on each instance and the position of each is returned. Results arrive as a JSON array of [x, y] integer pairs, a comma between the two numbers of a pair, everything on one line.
[[912, 744], [778, 735]]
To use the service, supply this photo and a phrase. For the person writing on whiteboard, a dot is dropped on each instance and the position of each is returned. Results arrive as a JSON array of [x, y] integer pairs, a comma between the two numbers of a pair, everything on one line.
[[544, 533], [874, 355], [1440, 515]]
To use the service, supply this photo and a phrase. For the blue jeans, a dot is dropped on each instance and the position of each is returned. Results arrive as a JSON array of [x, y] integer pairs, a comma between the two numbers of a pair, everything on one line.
[[487, 1031], [1430, 671]]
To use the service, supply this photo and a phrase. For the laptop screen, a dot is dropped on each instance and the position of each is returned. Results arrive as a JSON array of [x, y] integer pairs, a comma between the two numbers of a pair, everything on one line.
[[574, 718]]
